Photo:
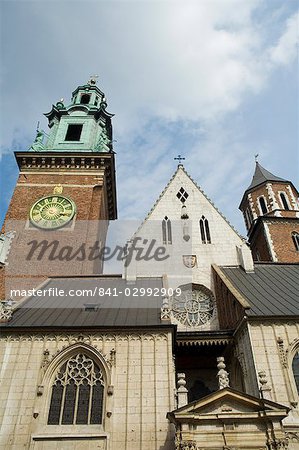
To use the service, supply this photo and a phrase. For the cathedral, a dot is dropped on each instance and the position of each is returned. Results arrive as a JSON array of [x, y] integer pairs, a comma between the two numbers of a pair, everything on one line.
[[194, 346]]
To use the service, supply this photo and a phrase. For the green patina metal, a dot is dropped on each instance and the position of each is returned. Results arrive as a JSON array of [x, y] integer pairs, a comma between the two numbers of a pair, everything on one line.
[[82, 126], [38, 144]]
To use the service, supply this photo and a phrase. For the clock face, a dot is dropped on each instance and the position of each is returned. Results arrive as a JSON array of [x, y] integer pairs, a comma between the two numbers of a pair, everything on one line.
[[52, 212]]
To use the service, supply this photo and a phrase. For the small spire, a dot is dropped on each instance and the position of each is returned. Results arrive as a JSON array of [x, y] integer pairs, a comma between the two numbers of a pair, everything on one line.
[[262, 175]]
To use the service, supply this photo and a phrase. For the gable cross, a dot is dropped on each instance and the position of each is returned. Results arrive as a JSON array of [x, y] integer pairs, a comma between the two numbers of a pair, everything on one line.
[[179, 158]]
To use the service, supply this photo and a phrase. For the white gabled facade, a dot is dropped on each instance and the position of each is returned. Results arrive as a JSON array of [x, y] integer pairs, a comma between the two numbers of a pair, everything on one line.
[[222, 250], [216, 243]]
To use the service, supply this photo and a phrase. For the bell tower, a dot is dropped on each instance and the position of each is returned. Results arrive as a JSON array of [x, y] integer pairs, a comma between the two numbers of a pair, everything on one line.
[[65, 192], [271, 212]]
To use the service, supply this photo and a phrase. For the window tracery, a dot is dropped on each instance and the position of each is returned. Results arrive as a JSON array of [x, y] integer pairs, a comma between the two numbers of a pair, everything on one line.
[[77, 393], [193, 307]]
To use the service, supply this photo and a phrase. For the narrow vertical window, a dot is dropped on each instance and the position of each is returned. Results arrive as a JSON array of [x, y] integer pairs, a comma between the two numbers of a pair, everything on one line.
[[166, 231], [284, 201], [204, 230], [77, 393], [295, 237], [295, 368], [263, 206]]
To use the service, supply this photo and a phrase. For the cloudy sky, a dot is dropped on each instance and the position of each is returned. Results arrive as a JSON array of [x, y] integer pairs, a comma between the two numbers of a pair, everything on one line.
[[213, 80]]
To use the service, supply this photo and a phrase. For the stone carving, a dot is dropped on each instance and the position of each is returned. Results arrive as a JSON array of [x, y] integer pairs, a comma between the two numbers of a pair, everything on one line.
[[46, 359], [282, 353], [241, 358], [264, 389], [165, 310], [6, 310], [5, 244], [223, 375], [292, 436], [112, 359], [278, 444], [189, 261], [188, 445], [68, 339], [194, 307], [182, 391]]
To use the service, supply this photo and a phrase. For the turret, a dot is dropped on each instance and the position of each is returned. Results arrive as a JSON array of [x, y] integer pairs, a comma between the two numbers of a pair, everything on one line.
[[83, 125], [271, 212]]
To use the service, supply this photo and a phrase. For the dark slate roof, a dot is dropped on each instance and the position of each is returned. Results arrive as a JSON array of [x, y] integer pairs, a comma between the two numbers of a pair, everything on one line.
[[108, 310], [262, 175], [271, 290]]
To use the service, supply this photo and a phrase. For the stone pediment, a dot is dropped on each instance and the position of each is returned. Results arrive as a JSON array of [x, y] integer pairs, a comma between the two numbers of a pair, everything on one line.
[[228, 403]]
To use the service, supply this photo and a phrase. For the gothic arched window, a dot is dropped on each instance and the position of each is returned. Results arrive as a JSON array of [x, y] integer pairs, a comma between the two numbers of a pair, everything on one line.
[[295, 367], [77, 393], [284, 201], [204, 230], [295, 237], [263, 205], [166, 231]]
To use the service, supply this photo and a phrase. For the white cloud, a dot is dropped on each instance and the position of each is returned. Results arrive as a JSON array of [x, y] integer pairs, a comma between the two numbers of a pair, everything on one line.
[[191, 62], [286, 50]]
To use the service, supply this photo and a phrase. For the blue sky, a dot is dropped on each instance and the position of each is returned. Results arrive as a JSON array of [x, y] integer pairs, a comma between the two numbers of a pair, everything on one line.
[[216, 81]]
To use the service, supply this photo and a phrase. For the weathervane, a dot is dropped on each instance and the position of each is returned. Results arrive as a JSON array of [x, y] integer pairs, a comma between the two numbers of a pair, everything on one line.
[[179, 158], [93, 79], [256, 157]]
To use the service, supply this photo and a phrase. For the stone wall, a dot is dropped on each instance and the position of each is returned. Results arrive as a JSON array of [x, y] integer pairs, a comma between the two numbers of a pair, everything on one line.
[[274, 346], [141, 372]]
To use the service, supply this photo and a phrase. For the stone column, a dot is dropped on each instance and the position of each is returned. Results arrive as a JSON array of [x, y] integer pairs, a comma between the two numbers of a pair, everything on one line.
[[182, 391]]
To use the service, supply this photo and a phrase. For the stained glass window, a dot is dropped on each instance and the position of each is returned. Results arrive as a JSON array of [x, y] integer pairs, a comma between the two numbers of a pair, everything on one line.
[[77, 393], [295, 367]]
